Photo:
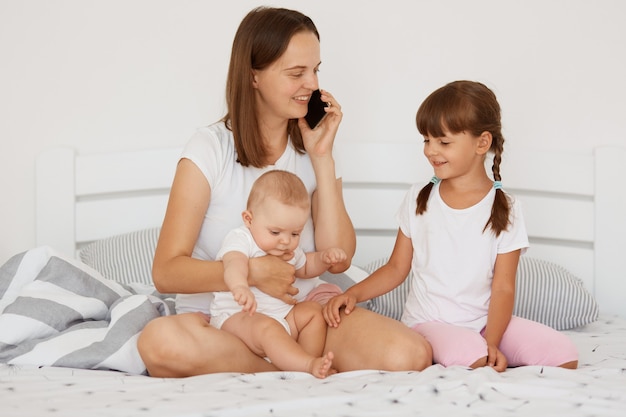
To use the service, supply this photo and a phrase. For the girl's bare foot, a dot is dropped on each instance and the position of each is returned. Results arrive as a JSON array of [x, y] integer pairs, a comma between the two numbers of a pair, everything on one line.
[[320, 367]]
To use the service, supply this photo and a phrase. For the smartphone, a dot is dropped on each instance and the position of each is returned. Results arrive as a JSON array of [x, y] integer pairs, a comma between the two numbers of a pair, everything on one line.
[[316, 109]]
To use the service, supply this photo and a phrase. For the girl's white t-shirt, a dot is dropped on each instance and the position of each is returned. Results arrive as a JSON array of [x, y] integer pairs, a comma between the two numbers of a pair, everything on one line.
[[453, 258]]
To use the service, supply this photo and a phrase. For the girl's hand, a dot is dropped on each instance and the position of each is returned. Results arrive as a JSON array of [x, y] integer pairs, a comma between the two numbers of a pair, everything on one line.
[[319, 141], [274, 277], [245, 298], [496, 359], [330, 310]]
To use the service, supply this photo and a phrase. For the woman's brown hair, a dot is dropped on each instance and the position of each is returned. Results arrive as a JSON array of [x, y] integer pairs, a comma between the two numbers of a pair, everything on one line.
[[262, 38], [466, 106]]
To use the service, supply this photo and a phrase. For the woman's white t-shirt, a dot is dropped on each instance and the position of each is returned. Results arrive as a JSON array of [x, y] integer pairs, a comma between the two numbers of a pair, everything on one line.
[[212, 150], [453, 259]]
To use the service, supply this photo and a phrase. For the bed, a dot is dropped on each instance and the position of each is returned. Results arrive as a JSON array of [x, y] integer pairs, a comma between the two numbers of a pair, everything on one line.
[[97, 222]]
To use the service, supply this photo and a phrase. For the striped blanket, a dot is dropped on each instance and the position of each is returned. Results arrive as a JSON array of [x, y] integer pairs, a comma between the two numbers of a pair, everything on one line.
[[56, 311]]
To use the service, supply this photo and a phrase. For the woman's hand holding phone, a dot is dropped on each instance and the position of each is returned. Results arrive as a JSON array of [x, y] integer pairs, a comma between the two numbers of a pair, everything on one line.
[[320, 125], [316, 109]]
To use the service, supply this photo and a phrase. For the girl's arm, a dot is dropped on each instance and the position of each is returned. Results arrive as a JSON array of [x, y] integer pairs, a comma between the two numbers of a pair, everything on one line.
[[500, 306], [173, 268], [381, 281], [333, 227]]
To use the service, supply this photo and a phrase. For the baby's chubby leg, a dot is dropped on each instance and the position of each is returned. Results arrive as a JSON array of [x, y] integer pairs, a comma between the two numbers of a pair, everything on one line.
[[308, 326], [265, 336]]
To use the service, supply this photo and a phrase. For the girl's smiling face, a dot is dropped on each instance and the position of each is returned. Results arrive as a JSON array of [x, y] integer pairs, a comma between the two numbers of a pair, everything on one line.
[[454, 154]]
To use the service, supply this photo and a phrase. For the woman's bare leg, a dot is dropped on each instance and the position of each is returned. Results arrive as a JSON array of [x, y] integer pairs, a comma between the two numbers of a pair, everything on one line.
[[186, 345], [366, 340]]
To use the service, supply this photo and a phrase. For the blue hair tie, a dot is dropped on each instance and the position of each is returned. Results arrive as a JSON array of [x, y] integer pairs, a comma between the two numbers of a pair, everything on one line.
[[435, 180], [497, 185]]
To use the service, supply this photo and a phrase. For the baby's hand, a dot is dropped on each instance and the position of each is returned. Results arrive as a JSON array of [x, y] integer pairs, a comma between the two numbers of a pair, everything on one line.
[[245, 298], [333, 256]]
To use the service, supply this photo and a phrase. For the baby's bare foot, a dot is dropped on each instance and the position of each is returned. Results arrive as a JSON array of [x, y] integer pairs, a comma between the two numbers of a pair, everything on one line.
[[320, 367]]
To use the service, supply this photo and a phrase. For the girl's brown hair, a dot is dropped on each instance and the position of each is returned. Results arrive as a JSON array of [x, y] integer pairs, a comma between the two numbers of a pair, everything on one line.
[[262, 37], [466, 106]]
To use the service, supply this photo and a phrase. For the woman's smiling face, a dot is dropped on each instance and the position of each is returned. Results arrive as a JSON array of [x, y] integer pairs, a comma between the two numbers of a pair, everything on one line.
[[283, 89]]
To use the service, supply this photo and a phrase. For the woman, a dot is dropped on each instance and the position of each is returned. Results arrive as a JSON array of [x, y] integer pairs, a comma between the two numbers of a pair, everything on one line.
[[273, 71]]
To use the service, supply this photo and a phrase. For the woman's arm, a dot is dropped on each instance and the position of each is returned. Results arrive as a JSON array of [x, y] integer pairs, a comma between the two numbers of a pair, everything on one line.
[[500, 306], [333, 227], [173, 268]]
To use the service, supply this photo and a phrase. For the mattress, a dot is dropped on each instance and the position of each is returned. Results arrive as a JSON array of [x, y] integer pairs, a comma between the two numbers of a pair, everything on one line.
[[598, 387]]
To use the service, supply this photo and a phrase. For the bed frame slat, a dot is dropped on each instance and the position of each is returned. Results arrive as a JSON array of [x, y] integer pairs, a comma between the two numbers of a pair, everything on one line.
[[573, 204], [55, 208], [610, 229], [125, 172], [98, 219]]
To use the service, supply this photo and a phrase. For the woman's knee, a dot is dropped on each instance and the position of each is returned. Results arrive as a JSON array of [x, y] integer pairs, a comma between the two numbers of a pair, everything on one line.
[[166, 348], [410, 353], [149, 342], [368, 340]]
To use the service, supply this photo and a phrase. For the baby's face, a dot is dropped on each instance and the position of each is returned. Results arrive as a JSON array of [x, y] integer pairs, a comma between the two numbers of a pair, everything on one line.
[[276, 227]]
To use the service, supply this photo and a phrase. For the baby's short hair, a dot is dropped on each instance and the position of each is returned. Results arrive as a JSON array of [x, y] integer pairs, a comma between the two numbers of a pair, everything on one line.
[[283, 186]]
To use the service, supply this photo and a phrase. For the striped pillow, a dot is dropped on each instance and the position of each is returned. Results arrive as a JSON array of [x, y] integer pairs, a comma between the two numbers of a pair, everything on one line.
[[125, 258], [550, 294], [545, 292]]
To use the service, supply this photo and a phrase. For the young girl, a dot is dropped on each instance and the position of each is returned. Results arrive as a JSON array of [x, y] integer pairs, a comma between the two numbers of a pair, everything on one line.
[[272, 74], [460, 238]]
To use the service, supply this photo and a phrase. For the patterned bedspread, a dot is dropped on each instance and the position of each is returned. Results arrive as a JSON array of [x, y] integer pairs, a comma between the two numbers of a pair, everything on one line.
[[597, 388]]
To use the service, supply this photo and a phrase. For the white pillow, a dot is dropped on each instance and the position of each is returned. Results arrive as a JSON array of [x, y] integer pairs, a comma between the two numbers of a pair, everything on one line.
[[545, 292]]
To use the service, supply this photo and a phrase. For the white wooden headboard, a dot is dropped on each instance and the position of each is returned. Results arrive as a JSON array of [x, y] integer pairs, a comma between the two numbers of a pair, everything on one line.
[[573, 204]]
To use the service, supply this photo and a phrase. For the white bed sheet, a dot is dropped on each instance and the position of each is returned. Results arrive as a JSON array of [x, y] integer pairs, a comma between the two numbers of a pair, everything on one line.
[[597, 388]]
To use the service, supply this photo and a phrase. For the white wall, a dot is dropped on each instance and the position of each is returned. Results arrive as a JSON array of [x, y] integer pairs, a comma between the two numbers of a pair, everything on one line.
[[130, 74]]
